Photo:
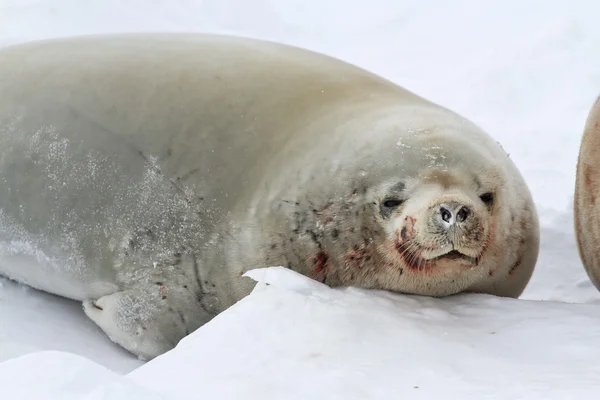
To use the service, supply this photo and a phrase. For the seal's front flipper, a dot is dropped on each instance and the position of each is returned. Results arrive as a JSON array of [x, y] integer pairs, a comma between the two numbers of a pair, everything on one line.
[[139, 322]]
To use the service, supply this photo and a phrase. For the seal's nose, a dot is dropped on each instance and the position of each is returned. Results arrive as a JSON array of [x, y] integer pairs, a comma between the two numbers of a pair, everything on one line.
[[446, 214], [463, 213], [454, 213]]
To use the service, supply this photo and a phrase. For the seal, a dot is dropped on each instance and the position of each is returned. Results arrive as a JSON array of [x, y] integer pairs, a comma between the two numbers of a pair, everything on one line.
[[144, 174], [587, 189]]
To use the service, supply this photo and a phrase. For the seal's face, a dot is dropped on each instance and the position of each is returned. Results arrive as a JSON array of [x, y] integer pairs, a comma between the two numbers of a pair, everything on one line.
[[437, 224]]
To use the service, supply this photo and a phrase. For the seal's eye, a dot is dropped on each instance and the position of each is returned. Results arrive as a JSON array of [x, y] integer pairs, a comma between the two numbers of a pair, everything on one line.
[[390, 204], [487, 198]]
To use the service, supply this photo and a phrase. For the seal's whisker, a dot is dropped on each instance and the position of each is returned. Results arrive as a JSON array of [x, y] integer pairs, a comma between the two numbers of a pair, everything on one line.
[[413, 255]]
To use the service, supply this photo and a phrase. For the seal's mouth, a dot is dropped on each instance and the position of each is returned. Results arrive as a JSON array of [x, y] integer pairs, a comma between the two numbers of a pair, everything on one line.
[[417, 257], [454, 255]]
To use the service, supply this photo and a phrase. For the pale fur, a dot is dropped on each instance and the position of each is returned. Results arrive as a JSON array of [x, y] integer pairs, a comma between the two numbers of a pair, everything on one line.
[[147, 173], [587, 190]]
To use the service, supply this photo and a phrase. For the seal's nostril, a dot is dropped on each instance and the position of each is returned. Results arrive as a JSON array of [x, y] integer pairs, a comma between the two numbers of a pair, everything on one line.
[[463, 214], [445, 213]]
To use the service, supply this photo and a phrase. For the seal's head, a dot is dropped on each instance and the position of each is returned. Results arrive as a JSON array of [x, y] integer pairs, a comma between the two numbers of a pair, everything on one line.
[[433, 211], [437, 217]]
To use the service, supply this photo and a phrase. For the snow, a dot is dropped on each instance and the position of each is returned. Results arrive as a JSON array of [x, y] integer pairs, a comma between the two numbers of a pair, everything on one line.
[[524, 71], [59, 375], [351, 344]]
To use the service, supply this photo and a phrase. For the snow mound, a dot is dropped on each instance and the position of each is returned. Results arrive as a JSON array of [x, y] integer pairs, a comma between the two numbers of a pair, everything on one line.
[[295, 338]]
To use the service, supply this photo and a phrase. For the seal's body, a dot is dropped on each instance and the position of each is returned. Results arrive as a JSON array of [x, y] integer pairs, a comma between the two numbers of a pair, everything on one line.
[[587, 190], [144, 174]]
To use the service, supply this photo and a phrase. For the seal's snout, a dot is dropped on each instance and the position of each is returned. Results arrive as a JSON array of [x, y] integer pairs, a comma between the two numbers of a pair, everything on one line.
[[451, 232], [453, 213]]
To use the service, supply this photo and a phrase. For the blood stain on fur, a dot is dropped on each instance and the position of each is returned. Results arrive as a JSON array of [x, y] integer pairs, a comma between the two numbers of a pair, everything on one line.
[[319, 261]]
